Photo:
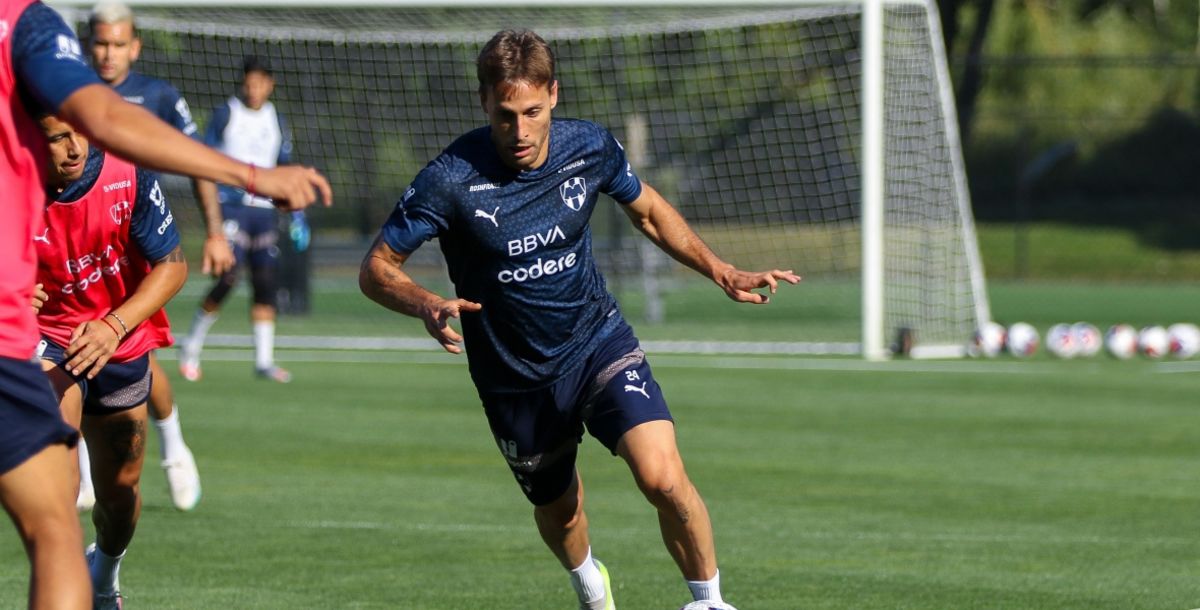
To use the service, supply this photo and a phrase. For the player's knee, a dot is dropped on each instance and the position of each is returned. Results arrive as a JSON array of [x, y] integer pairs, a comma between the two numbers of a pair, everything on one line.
[[264, 285], [222, 287], [666, 488]]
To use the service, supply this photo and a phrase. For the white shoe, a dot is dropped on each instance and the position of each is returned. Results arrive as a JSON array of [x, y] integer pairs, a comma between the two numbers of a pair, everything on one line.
[[183, 480], [86, 499], [189, 364], [111, 600], [274, 373]]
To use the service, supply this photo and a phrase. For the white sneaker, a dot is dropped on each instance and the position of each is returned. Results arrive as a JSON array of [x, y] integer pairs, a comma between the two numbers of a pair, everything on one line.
[[189, 364], [86, 499], [111, 600], [183, 480]]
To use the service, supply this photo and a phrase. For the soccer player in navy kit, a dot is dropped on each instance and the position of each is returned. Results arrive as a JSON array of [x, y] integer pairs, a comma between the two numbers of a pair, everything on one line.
[[547, 347], [115, 45], [42, 67], [250, 128]]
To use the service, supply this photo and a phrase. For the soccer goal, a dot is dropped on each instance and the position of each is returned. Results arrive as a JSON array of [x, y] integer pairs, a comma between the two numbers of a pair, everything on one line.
[[815, 136]]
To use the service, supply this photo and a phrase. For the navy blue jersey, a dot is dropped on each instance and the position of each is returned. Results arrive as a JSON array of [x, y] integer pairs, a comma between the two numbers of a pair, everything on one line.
[[518, 242], [160, 98], [150, 211], [47, 59]]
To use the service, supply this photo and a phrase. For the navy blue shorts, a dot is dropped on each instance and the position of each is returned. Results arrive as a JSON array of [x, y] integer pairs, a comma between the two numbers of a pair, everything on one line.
[[253, 234], [539, 432], [30, 419], [118, 387]]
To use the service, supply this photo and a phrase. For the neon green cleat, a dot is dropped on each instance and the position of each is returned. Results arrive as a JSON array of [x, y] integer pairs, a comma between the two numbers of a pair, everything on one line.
[[609, 604]]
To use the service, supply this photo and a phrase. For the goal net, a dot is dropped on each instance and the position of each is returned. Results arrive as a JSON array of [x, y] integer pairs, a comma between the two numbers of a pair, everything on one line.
[[749, 118]]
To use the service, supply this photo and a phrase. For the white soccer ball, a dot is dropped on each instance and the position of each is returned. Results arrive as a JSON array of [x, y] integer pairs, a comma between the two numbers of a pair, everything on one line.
[[1022, 340], [988, 340], [1153, 342], [705, 604], [1184, 339], [1087, 339], [1121, 341], [1060, 341]]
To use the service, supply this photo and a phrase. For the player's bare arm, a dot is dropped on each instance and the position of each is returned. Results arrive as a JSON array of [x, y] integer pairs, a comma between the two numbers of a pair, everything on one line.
[[383, 280], [654, 216], [135, 134], [216, 256], [94, 342]]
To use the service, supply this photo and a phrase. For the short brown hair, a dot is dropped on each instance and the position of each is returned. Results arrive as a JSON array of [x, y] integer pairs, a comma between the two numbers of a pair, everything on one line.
[[513, 56]]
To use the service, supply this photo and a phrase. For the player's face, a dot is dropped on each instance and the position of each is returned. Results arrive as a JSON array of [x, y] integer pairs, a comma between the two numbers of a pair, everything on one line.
[[114, 49], [256, 89], [68, 151], [519, 114]]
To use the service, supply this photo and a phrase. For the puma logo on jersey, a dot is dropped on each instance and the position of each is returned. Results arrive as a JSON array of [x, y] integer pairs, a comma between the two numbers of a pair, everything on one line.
[[44, 237], [491, 217], [640, 390]]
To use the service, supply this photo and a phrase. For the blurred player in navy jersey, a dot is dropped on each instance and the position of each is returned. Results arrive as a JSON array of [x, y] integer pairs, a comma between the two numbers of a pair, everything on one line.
[[108, 262], [42, 68], [115, 46], [547, 347], [250, 128]]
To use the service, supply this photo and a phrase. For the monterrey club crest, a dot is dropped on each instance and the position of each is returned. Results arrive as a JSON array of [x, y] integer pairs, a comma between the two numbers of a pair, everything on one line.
[[121, 212], [574, 192]]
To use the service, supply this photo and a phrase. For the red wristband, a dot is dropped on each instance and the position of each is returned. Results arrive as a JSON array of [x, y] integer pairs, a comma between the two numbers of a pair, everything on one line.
[[250, 181], [111, 327]]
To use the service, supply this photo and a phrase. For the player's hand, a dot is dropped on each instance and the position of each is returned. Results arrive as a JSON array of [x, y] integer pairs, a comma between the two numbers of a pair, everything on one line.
[[292, 187], [39, 297], [91, 345], [437, 317], [217, 257], [738, 284]]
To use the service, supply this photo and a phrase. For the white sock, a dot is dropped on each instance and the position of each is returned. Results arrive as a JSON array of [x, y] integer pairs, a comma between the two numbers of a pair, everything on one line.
[[264, 345], [85, 467], [201, 323], [105, 570], [171, 445], [707, 590], [589, 583]]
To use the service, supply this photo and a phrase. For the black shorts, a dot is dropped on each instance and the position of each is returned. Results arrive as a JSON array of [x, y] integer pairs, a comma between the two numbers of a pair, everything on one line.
[[118, 387], [539, 431], [30, 419]]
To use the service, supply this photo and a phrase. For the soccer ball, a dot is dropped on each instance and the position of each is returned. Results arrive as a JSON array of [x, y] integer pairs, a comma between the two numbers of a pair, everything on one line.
[[1060, 341], [705, 604], [1022, 340], [1087, 339], [1121, 341], [1184, 339], [1153, 342], [988, 340]]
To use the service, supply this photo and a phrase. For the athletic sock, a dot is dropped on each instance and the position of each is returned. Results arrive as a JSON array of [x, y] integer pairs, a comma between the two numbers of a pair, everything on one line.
[[105, 570], [85, 466], [589, 583], [201, 323], [170, 436], [264, 345], [708, 590]]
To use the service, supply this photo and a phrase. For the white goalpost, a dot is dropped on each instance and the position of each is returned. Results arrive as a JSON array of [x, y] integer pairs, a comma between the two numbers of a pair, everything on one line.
[[818, 135]]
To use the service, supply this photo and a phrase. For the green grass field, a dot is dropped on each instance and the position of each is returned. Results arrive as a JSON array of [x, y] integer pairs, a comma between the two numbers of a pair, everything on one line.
[[372, 480]]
